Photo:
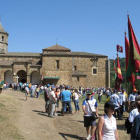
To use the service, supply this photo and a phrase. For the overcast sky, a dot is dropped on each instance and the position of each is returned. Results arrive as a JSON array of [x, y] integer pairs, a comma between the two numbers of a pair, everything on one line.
[[94, 26]]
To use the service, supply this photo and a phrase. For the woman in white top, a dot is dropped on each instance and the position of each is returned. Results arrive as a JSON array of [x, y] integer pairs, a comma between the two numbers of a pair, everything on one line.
[[107, 129], [76, 100]]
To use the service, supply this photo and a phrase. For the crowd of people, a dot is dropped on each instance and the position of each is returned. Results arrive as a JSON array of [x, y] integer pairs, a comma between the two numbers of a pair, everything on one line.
[[64, 95]]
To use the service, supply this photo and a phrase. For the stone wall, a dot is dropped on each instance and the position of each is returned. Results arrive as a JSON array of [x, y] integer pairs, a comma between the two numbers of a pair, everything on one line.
[[83, 64], [49, 68], [4, 42], [17, 66]]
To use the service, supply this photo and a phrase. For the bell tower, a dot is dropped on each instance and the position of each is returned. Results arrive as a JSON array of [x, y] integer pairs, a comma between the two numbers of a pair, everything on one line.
[[3, 40]]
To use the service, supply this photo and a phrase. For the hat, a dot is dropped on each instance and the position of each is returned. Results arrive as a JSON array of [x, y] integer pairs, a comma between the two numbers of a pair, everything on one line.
[[48, 85], [89, 92], [134, 89], [115, 91], [52, 86], [109, 104]]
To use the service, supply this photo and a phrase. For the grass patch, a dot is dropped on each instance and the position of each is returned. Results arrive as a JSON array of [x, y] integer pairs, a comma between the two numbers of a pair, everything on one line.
[[2, 105], [103, 100], [8, 108]]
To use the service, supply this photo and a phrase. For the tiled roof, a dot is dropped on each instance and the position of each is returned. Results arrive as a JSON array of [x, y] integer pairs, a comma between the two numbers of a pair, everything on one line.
[[87, 54], [83, 54], [57, 47], [78, 73], [21, 54]]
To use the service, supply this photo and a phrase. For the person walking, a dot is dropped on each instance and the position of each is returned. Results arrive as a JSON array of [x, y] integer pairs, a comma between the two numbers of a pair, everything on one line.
[[131, 100], [100, 95], [122, 99], [52, 101], [135, 133], [46, 97], [57, 96], [76, 100], [37, 91], [26, 92], [115, 99], [89, 105], [107, 129], [66, 100]]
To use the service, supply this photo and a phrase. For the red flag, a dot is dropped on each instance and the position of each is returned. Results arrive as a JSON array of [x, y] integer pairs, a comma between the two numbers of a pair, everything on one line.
[[119, 78], [119, 48], [134, 49], [128, 60]]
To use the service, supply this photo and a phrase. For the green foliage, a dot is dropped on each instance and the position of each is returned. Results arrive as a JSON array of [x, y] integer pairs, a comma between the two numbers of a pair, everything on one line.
[[123, 70]]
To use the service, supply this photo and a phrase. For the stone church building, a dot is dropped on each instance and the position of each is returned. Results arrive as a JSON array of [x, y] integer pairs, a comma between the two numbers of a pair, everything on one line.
[[56, 65]]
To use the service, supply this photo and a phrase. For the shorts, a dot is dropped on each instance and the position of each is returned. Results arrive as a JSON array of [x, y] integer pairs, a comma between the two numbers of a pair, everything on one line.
[[26, 94], [0, 89], [89, 121], [47, 104], [57, 104]]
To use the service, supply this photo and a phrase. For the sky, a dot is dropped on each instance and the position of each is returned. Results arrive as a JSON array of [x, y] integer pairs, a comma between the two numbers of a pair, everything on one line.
[[94, 26]]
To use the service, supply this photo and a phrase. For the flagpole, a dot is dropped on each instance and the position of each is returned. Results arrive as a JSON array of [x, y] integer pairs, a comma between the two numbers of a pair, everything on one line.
[[126, 83], [117, 70]]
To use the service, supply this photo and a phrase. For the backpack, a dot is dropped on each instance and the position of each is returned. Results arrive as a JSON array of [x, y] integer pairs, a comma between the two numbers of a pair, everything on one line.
[[128, 126], [94, 136]]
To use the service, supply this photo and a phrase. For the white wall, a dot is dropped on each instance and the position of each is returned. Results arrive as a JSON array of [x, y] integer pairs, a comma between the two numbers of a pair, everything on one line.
[[35, 78], [9, 77]]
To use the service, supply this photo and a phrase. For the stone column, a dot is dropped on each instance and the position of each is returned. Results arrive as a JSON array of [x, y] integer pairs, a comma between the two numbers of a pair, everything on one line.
[[28, 72], [108, 73], [14, 73]]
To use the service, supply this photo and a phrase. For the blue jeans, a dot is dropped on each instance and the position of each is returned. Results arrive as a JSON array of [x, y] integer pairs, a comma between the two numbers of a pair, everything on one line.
[[76, 103], [32, 92], [38, 94], [65, 104]]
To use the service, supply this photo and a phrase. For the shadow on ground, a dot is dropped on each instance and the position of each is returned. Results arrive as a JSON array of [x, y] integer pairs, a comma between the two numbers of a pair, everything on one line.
[[121, 127], [71, 136], [22, 99]]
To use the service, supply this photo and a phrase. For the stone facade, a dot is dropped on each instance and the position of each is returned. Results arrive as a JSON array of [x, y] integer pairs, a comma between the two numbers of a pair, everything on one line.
[[56, 65]]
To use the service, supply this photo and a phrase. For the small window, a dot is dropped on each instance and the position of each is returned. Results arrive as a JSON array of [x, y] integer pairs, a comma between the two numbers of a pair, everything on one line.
[[57, 64], [94, 71], [75, 68], [77, 78], [2, 38]]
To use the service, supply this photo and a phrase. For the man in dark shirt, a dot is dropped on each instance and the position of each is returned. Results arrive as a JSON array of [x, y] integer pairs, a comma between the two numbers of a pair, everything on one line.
[[46, 97]]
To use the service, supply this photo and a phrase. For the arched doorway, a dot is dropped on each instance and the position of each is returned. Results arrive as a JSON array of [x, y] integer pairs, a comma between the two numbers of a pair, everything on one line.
[[22, 76], [35, 77], [8, 77]]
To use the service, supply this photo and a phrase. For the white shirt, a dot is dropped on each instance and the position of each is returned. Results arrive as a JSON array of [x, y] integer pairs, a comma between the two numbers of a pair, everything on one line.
[[93, 104], [107, 92], [52, 94], [42, 87], [132, 115], [132, 97], [109, 128], [27, 89], [122, 98], [76, 96], [115, 99]]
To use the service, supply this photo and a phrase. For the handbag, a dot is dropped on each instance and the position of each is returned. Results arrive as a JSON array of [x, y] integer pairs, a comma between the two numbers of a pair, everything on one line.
[[94, 137], [94, 116]]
